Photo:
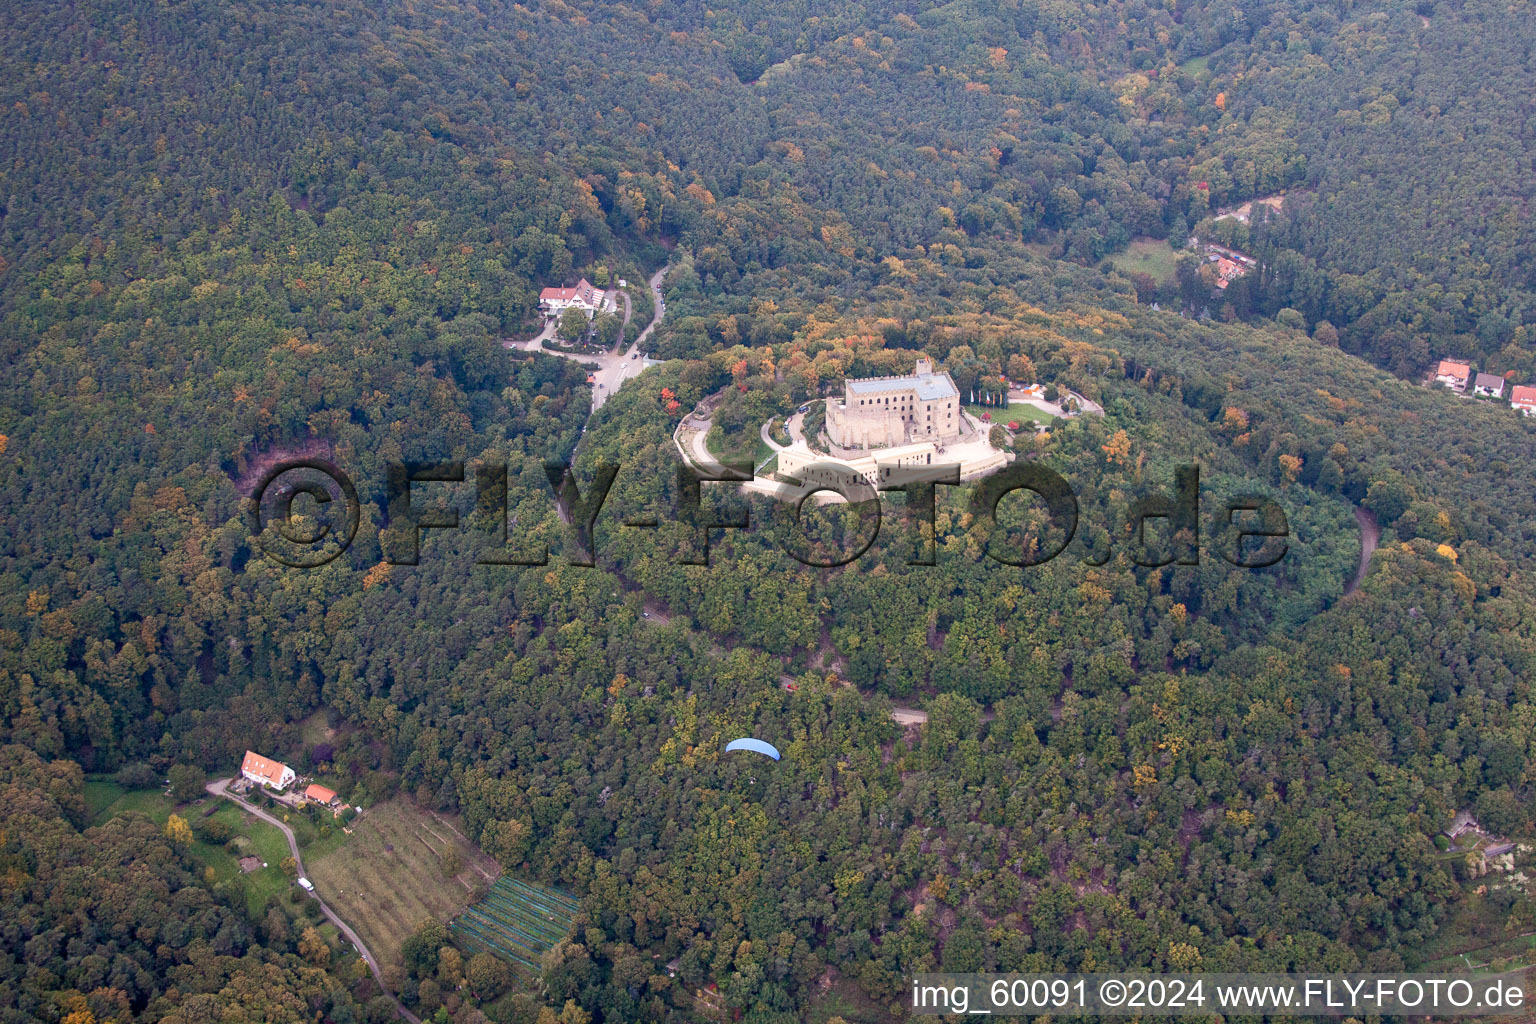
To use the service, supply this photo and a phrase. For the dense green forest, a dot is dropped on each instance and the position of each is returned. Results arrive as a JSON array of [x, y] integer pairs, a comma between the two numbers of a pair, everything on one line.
[[236, 232]]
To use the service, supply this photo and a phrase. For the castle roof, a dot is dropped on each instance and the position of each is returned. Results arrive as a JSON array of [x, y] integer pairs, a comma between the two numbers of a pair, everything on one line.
[[929, 386]]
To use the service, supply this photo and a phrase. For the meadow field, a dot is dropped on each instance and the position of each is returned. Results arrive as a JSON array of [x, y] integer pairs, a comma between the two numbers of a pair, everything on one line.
[[1151, 256], [388, 878]]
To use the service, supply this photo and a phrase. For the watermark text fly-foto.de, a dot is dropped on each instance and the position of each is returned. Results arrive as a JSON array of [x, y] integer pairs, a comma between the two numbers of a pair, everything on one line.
[[1208, 995], [306, 512]]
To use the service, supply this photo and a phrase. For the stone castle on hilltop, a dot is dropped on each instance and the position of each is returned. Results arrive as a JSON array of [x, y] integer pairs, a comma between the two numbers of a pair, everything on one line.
[[881, 412]]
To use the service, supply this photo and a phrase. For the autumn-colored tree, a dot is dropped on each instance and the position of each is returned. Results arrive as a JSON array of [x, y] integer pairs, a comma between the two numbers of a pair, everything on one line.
[[313, 948], [1117, 450], [177, 830], [1290, 468]]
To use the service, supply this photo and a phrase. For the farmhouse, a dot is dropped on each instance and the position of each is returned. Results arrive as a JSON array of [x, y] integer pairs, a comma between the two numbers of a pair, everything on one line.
[[263, 771], [878, 412], [584, 296], [1488, 386], [1523, 399], [1453, 374]]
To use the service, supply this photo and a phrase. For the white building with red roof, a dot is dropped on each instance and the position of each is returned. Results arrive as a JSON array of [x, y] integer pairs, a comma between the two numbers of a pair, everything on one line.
[[1523, 400], [320, 794], [265, 771], [584, 296], [1453, 374]]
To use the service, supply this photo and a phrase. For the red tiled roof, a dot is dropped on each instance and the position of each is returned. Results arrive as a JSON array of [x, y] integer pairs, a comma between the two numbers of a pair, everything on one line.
[[1523, 395], [583, 291], [320, 793], [1450, 369], [262, 767]]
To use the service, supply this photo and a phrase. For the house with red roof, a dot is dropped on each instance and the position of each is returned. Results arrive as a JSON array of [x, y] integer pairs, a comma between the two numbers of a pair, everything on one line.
[[266, 772], [1227, 271], [1453, 375], [319, 794], [1523, 399], [584, 296]]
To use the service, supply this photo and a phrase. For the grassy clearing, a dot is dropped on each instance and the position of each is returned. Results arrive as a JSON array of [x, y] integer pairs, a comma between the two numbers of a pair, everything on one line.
[[736, 446], [843, 998], [101, 794], [1151, 256], [387, 879], [256, 838], [763, 452], [315, 730], [264, 841], [106, 800], [1021, 412], [1196, 66]]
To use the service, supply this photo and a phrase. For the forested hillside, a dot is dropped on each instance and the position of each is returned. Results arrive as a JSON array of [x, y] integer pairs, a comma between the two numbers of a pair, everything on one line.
[[116, 922], [234, 232], [1413, 230]]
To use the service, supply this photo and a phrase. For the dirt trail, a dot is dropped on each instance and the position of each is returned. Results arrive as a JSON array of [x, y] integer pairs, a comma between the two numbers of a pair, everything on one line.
[[1370, 536]]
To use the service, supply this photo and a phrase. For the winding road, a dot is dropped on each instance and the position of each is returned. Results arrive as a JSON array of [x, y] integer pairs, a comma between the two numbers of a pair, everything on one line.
[[217, 788]]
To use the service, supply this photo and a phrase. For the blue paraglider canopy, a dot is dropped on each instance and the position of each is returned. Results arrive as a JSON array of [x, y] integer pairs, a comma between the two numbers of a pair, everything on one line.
[[756, 746]]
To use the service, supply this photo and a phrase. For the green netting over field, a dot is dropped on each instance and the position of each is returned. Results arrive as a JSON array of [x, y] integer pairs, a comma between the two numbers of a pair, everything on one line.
[[518, 921]]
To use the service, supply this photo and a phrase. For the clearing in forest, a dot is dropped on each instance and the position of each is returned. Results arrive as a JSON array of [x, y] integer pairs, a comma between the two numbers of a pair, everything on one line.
[[401, 867], [1151, 256]]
